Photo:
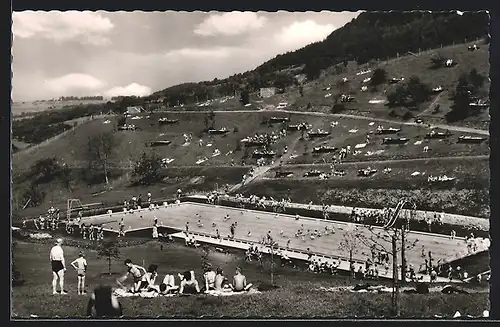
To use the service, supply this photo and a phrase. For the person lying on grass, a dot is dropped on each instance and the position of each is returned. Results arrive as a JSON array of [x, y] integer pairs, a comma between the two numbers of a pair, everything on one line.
[[240, 282], [148, 279], [189, 285], [136, 272], [104, 303], [168, 285]]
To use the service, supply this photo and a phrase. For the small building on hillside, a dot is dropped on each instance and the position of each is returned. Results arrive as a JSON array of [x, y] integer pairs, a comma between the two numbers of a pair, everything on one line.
[[134, 110], [267, 92]]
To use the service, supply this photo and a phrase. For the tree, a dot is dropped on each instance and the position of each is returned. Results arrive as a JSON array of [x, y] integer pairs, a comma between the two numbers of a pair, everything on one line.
[[461, 99], [417, 92], [476, 79], [271, 245], [110, 251], [211, 116], [46, 170], [245, 97], [397, 97], [99, 151], [34, 194], [379, 76], [205, 261], [350, 242], [391, 240], [301, 90], [312, 70], [148, 169]]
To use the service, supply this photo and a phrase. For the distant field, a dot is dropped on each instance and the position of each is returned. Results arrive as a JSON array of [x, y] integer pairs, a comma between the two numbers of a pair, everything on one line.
[[28, 108]]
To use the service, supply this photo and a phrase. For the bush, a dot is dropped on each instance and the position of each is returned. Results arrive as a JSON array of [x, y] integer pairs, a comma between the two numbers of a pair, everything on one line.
[[408, 115], [393, 113]]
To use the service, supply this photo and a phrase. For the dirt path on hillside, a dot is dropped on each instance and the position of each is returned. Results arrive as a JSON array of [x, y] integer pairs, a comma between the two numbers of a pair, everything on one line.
[[393, 161], [259, 172], [430, 107], [374, 119]]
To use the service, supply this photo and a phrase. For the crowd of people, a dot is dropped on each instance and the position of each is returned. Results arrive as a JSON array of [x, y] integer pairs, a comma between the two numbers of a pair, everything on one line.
[[50, 221], [145, 280]]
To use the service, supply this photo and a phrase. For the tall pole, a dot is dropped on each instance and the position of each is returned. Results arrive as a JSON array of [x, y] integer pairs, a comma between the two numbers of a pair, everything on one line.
[[403, 258], [395, 288]]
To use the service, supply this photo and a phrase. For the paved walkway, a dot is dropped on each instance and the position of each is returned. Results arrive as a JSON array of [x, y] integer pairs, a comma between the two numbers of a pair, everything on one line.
[[294, 254]]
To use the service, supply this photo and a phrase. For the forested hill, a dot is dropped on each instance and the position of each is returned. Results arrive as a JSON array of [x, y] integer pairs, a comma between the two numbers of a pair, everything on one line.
[[370, 36], [374, 35]]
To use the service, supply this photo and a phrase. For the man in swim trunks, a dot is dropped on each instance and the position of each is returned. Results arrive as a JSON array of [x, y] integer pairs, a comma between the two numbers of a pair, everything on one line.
[[136, 272], [80, 265], [240, 282], [58, 266]]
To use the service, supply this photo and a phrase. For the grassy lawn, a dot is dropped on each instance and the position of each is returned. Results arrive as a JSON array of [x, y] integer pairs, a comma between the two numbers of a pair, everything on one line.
[[298, 294], [189, 179]]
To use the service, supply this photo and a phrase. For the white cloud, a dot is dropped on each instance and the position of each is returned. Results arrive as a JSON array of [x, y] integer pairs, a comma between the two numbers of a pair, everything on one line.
[[300, 34], [230, 23], [129, 90], [87, 27], [73, 82]]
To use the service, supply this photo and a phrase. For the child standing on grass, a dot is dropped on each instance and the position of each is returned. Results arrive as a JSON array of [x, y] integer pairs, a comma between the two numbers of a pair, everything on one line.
[[80, 266]]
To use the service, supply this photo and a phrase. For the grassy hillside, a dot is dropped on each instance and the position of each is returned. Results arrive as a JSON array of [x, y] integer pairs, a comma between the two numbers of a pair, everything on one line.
[[299, 295], [71, 148], [370, 40]]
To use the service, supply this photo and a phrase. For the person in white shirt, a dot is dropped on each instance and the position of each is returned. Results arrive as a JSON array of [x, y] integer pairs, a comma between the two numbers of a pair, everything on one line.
[[80, 265], [58, 266]]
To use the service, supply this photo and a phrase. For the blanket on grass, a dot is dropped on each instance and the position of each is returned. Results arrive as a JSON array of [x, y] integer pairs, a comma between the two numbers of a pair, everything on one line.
[[123, 293]]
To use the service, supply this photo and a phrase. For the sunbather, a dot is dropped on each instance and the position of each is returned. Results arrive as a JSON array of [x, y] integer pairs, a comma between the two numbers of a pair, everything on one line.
[[168, 284], [209, 277], [220, 280], [240, 282], [149, 278], [189, 285]]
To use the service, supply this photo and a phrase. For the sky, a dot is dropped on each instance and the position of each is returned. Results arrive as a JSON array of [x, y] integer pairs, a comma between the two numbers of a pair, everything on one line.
[[137, 53]]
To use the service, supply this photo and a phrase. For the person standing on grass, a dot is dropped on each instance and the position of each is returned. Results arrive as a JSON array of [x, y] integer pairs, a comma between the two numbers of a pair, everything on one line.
[[155, 231], [80, 266], [58, 266], [149, 197]]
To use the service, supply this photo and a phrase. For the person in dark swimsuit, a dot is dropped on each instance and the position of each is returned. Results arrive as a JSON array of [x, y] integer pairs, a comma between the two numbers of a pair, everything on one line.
[[136, 271], [189, 285], [104, 303]]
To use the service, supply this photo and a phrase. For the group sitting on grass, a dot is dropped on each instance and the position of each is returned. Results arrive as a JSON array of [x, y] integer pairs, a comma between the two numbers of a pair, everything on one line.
[[144, 280]]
